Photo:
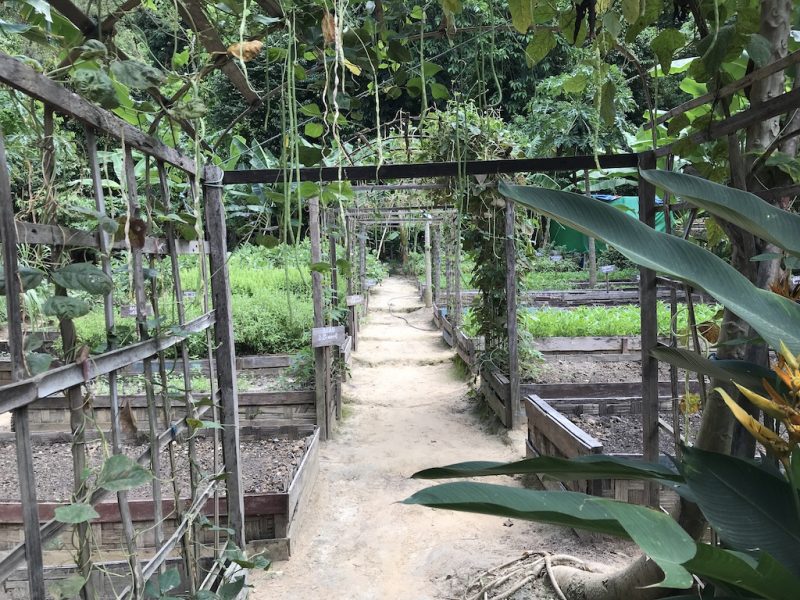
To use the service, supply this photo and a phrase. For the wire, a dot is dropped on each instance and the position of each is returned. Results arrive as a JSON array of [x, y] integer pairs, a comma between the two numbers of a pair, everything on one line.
[[403, 318]]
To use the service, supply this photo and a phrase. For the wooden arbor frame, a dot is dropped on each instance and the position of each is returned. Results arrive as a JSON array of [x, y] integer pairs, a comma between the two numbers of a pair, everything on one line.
[[69, 379]]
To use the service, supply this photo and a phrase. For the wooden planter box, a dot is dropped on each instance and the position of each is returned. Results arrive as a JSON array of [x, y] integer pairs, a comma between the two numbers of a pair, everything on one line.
[[273, 520], [270, 412], [495, 390], [550, 433]]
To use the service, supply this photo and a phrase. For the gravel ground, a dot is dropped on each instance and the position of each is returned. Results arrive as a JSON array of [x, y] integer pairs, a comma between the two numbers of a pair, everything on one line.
[[267, 466]]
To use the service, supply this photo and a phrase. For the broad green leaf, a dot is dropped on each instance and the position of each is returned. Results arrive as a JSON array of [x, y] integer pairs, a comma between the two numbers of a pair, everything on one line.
[[84, 277], [121, 473], [541, 44], [759, 573], [311, 110], [231, 590], [68, 588], [266, 240], [759, 50], [398, 52], [313, 130], [320, 267], [65, 307], [38, 362], [575, 84], [630, 10], [343, 267], [748, 506], [607, 109], [744, 373], [744, 209], [677, 124], [662, 539], [75, 513], [773, 317], [430, 69], [136, 75], [664, 46], [521, 14], [169, 580], [439, 91], [582, 467], [452, 7], [28, 276]]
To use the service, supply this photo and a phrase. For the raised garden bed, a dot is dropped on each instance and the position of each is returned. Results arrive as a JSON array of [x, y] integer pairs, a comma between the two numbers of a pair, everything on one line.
[[551, 433], [468, 348], [278, 476]]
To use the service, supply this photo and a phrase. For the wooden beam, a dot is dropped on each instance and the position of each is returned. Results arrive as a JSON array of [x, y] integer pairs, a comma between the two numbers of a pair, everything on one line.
[[731, 88], [771, 108], [513, 408], [320, 362], [192, 12], [21, 77], [224, 353], [440, 169], [649, 328]]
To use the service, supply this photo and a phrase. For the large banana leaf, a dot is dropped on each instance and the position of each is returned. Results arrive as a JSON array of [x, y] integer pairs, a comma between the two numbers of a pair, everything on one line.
[[759, 574], [744, 209], [750, 507], [742, 372], [582, 467], [656, 533], [775, 318]]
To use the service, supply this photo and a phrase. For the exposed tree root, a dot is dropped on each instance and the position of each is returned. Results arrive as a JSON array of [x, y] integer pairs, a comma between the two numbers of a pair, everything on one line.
[[503, 581]]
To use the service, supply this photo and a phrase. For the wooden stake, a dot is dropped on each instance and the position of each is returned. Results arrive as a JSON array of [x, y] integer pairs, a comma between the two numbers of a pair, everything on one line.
[[428, 267], [649, 325], [225, 356], [513, 411], [320, 356]]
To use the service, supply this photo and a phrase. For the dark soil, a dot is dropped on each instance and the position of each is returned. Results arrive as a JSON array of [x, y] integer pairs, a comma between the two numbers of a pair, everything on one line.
[[622, 434], [267, 466], [583, 370]]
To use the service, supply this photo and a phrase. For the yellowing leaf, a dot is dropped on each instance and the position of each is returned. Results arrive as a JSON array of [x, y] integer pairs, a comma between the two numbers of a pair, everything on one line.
[[768, 406], [521, 14], [246, 51], [354, 69]]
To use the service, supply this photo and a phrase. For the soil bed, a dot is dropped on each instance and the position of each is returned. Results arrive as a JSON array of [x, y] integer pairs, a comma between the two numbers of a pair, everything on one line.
[[622, 434], [267, 466], [580, 370]]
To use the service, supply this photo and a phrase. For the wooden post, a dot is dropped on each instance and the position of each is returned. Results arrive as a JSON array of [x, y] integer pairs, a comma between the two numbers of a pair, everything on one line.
[[336, 354], [448, 261], [428, 267], [592, 242], [362, 270], [457, 306], [320, 355], [27, 481], [224, 354], [436, 258], [649, 323], [351, 312], [513, 408]]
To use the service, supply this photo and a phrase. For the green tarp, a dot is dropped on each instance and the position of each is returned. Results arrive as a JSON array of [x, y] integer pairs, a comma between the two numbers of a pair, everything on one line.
[[575, 241]]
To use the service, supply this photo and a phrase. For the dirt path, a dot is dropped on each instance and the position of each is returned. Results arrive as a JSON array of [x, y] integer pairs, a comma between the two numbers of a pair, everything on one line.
[[406, 409]]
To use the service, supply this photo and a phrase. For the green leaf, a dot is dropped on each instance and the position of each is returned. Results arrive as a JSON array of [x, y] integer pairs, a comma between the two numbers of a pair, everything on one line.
[[664, 46], [755, 573], [65, 307], [343, 267], [68, 588], [773, 317], [521, 14], [136, 75], [29, 278], [320, 267], [759, 50], [231, 590], [311, 110], [748, 506], [451, 7], [430, 69], [84, 277], [169, 580], [742, 372], [744, 209], [608, 111], [630, 10], [313, 130], [398, 52], [582, 467], [439, 91], [268, 241], [540, 46], [677, 124], [75, 513], [38, 362], [575, 84], [121, 473], [662, 539]]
